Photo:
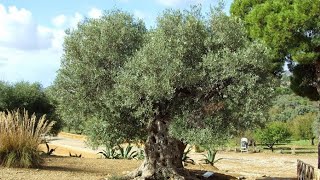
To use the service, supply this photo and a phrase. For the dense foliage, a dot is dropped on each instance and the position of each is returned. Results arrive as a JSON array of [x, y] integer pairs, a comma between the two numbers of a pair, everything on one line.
[[292, 30], [302, 127], [30, 97], [205, 77], [274, 132]]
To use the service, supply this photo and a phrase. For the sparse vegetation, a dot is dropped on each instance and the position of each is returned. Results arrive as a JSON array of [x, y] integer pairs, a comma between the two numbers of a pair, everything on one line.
[[109, 153], [186, 158], [210, 157], [127, 152], [20, 136], [119, 152]]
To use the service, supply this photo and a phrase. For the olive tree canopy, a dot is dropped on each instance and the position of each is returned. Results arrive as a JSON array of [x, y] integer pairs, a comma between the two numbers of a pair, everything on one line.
[[191, 79]]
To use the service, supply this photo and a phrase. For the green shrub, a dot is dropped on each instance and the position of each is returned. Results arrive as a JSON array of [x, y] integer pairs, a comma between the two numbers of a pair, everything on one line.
[[185, 157], [127, 152], [110, 153], [20, 136], [119, 152], [210, 157]]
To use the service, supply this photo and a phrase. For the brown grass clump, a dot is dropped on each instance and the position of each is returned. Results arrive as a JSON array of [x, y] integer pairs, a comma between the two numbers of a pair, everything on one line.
[[20, 136]]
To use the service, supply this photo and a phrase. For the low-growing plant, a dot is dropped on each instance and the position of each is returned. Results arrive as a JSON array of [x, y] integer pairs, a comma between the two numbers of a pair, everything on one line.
[[49, 151], [210, 157], [186, 158], [119, 152], [110, 153], [20, 136], [127, 152], [140, 155]]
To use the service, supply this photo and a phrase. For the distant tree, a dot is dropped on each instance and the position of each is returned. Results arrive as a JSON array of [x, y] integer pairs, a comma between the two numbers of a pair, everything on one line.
[[292, 30], [288, 106], [274, 132], [302, 127], [185, 81], [31, 97], [5, 91]]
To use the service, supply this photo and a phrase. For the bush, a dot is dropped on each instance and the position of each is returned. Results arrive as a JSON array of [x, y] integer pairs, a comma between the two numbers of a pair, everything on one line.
[[31, 97], [119, 152], [20, 136]]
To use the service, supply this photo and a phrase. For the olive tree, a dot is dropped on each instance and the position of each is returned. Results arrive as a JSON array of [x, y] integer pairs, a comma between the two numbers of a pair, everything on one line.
[[188, 80]]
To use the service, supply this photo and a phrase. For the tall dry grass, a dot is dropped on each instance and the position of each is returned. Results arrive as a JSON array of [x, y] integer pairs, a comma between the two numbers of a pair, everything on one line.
[[20, 136]]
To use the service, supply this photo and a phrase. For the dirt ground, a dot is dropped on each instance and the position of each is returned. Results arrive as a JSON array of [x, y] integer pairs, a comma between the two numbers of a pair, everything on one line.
[[251, 166], [92, 167]]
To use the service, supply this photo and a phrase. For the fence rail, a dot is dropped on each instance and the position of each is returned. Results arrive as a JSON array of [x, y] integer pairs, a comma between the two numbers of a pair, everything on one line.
[[306, 171]]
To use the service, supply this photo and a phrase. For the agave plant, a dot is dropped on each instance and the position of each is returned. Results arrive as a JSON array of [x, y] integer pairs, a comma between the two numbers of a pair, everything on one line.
[[210, 157], [127, 153], [186, 158], [140, 155], [110, 153]]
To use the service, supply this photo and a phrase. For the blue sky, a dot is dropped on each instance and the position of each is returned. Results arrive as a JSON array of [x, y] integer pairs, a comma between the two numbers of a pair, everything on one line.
[[32, 31]]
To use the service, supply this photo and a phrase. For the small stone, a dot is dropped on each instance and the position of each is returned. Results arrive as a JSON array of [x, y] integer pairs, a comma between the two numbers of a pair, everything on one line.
[[241, 177], [208, 174]]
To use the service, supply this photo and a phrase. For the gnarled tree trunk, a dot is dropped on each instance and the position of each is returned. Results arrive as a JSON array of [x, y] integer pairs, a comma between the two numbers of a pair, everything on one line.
[[163, 154]]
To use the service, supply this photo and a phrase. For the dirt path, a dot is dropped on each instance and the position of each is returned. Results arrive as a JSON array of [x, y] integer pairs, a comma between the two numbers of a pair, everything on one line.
[[249, 165]]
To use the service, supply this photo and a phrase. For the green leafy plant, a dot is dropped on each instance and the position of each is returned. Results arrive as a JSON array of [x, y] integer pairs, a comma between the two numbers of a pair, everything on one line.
[[119, 152], [110, 153], [127, 152], [186, 158], [140, 155], [20, 136], [210, 157]]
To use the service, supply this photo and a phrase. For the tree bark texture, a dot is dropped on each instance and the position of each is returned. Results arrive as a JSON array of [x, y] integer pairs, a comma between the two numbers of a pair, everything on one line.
[[317, 65], [163, 154]]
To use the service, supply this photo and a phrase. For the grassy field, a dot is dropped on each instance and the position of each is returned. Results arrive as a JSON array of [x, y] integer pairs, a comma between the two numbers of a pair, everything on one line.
[[300, 147]]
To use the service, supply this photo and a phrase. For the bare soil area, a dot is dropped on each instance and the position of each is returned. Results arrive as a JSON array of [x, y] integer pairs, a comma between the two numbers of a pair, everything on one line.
[[251, 166], [90, 167]]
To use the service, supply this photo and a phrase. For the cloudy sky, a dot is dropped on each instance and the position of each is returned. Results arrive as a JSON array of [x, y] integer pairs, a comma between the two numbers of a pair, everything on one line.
[[32, 31]]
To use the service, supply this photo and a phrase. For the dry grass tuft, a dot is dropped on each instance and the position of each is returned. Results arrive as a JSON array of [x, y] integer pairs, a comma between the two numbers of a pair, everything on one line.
[[20, 136]]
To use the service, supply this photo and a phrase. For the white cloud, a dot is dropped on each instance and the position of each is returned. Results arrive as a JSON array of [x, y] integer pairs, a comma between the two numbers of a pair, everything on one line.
[[75, 19], [59, 20], [30, 51], [95, 13], [18, 30], [175, 3]]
